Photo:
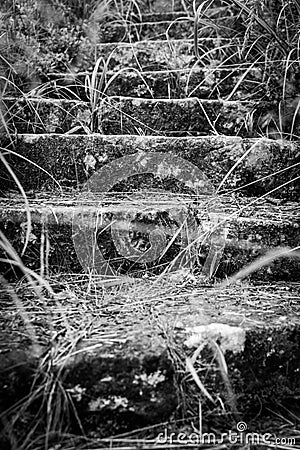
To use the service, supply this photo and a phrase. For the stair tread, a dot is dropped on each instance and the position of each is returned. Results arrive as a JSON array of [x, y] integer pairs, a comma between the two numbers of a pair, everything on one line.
[[267, 210], [185, 303]]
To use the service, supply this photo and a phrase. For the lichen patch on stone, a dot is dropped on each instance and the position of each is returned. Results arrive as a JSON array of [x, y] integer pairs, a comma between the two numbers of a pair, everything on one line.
[[229, 338]]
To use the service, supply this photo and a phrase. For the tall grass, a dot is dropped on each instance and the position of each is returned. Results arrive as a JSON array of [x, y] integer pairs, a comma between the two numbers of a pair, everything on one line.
[[264, 35]]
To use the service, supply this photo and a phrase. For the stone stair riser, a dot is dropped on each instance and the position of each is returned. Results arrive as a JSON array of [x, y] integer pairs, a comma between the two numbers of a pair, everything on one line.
[[116, 31], [152, 55], [178, 118], [264, 364], [158, 27], [65, 158], [122, 115], [200, 83], [246, 240]]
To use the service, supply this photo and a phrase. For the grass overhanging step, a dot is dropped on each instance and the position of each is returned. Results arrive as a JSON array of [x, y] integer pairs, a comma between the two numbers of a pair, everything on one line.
[[182, 83]]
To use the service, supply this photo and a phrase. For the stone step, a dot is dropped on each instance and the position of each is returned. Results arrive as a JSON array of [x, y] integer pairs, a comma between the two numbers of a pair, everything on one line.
[[264, 166], [124, 363], [194, 231], [148, 55], [122, 30], [167, 8], [180, 24], [135, 116], [237, 84], [155, 6], [177, 117]]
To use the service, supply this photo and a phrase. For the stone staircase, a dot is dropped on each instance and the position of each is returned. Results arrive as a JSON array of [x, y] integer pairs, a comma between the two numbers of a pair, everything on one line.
[[196, 187]]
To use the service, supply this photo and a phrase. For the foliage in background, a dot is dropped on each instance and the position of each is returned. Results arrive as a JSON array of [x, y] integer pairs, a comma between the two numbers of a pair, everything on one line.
[[264, 34], [42, 36], [38, 37]]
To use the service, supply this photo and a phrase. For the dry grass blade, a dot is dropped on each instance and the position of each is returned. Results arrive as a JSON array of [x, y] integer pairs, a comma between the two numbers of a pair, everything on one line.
[[21, 189], [224, 373], [242, 78], [261, 262], [190, 367], [207, 117], [236, 164], [6, 150], [16, 261], [203, 6], [172, 240]]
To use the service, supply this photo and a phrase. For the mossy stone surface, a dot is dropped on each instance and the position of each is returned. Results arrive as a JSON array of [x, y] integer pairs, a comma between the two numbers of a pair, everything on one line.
[[247, 237], [133, 382], [68, 159]]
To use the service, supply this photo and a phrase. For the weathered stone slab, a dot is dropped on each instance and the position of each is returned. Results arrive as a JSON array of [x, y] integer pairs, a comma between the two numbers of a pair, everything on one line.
[[150, 55], [181, 117], [133, 31], [197, 82], [265, 164], [124, 115], [37, 115], [123, 371], [249, 232]]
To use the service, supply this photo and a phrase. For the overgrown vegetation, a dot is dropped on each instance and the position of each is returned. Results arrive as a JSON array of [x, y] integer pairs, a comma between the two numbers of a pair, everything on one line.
[[47, 37], [264, 35], [77, 316], [60, 318], [39, 37]]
